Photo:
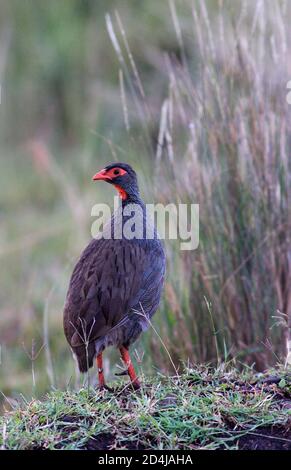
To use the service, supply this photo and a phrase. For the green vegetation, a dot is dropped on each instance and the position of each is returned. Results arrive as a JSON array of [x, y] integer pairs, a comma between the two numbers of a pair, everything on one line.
[[202, 116], [204, 408]]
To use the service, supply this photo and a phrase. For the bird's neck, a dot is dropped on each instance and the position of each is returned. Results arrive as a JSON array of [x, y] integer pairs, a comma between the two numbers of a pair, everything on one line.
[[132, 217], [132, 199]]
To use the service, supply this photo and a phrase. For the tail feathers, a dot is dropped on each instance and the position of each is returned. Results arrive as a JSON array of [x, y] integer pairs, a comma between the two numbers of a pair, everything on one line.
[[85, 356]]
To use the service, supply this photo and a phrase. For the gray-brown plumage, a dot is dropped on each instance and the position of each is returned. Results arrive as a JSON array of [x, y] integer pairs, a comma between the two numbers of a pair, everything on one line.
[[116, 285]]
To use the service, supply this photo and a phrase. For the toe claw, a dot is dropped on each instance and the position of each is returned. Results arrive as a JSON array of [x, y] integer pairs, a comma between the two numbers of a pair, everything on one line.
[[103, 388], [120, 374]]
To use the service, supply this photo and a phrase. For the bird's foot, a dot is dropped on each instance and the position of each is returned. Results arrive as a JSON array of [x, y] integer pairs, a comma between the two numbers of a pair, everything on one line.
[[133, 383], [136, 384], [103, 388]]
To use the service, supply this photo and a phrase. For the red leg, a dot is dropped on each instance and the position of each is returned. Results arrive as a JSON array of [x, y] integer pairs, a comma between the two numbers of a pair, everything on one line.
[[100, 371], [130, 369]]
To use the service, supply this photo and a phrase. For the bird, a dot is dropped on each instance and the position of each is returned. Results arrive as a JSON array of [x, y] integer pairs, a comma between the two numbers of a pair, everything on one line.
[[117, 283]]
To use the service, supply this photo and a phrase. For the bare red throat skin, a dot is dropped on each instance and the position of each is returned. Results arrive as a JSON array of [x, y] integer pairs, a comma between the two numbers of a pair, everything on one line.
[[122, 193]]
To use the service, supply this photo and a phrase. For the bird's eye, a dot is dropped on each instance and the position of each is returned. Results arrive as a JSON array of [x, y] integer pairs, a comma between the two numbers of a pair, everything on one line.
[[116, 171]]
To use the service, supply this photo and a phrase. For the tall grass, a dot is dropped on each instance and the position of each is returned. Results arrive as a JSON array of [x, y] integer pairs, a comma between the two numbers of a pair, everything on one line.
[[223, 142]]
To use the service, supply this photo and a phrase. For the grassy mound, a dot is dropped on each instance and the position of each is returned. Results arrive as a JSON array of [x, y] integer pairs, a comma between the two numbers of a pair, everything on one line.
[[202, 409]]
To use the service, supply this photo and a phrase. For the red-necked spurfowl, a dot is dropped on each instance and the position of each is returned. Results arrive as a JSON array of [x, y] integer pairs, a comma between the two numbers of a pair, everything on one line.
[[116, 285]]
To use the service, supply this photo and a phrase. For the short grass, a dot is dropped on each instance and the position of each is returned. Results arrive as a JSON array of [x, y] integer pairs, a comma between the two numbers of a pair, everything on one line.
[[205, 408]]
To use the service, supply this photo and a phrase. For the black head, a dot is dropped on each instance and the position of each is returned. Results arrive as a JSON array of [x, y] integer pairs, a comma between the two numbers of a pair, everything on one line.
[[123, 177]]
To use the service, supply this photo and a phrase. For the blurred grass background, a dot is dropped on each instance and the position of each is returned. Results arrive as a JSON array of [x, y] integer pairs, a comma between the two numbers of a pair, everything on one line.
[[193, 95]]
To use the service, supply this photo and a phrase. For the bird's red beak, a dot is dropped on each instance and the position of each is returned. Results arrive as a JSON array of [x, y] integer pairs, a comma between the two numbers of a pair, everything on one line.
[[101, 175]]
